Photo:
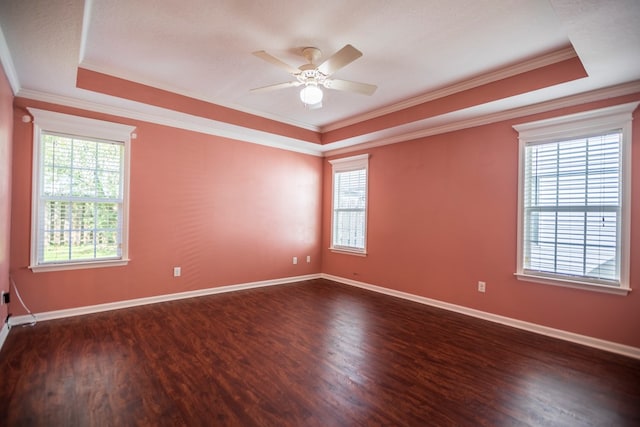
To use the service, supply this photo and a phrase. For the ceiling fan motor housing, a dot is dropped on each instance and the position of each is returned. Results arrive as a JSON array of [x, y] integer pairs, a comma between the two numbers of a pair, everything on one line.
[[312, 76], [311, 54]]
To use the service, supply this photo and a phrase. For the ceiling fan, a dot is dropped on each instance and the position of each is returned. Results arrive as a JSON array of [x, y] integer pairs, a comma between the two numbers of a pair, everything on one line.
[[313, 76]]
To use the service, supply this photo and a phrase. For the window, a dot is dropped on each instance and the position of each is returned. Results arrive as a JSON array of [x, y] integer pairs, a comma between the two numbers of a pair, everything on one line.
[[80, 188], [349, 219], [574, 200]]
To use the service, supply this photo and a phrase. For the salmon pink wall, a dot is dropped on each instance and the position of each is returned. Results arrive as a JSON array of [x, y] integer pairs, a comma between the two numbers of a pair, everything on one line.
[[6, 127], [227, 212], [110, 85], [442, 216], [529, 81]]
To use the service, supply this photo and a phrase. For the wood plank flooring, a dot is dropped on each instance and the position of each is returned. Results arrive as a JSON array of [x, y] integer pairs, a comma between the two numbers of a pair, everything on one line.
[[314, 353]]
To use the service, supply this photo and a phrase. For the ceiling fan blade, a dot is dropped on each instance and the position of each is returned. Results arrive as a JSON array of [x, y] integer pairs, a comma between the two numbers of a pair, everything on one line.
[[343, 57], [276, 86], [275, 61], [337, 84]]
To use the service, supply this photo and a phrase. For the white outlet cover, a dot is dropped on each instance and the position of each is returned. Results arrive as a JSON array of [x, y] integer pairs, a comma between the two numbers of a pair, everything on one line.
[[177, 271]]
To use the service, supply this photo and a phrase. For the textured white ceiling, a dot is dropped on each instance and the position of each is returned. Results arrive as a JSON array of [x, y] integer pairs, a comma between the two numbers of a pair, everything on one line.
[[203, 48]]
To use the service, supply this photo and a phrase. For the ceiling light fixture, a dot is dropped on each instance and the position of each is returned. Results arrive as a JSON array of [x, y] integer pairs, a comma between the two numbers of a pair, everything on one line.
[[311, 94], [312, 76]]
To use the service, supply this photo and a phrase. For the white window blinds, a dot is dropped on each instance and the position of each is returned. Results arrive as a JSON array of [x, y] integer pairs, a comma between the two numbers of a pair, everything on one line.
[[349, 220], [80, 200], [572, 207], [79, 215], [574, 200]]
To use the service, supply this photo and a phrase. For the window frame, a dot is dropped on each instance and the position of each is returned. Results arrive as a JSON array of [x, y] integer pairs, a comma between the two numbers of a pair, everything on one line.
[[45, 121], [349, 164], [576, 126]]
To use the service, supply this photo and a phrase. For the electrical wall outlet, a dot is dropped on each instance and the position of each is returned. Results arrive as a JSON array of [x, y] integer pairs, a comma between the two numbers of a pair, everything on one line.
[[295, 259], [177, 271], [308, 258], [482, 286]]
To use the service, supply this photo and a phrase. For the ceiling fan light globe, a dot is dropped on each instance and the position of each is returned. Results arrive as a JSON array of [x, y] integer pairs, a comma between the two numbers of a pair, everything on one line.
[[311, 94]]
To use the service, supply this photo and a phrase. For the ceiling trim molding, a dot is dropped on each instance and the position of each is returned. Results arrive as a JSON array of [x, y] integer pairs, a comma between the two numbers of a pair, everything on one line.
[[500, 74], [104, 70], [179, 120], [543, 107], [189, 122], [7, 64], [86, 18]]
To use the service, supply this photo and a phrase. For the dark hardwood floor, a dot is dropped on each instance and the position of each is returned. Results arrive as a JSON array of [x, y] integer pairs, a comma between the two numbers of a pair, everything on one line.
[[315, 353]]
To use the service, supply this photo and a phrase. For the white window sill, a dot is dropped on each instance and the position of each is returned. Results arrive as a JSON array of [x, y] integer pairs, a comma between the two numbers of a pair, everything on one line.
[[78, 265], [348, 251], [593, 287]]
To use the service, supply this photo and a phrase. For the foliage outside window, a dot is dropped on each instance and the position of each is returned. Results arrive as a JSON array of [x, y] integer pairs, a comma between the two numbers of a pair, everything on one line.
[[79, 216]]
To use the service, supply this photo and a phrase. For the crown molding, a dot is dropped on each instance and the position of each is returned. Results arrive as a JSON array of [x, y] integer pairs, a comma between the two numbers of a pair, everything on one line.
[[179, 120], [185, 121], [86, 21], [103, 70], [7, 65], [454, 125], [500, 74]]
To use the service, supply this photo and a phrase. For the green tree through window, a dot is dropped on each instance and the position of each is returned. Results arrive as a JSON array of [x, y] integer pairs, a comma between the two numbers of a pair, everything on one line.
[[82, 198], [80, 211]]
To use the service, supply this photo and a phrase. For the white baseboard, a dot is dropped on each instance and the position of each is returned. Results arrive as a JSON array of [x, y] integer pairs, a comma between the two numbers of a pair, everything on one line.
[[58, 314], [613, 347], [610, 346], [4, 333]]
